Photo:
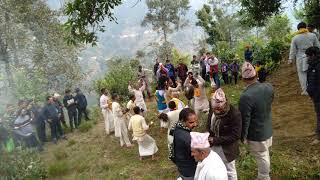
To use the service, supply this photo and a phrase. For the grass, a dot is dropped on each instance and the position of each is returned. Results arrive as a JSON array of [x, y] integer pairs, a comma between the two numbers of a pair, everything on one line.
[[93, 155]]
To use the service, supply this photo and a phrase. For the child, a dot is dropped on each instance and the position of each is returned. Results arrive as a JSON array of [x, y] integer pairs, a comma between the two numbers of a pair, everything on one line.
[[147, 145], [313, 84], [161, 104]]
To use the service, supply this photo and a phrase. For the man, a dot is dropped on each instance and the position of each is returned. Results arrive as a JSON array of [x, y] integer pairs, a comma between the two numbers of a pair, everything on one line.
[[195, 66], [173, 118], [235, 71], [70, 103], [203, 66], [182, 70], [255, 107], [106, 109], [210, 165], [82, 104], [214, 68], [180, 152], [143, 77], [248, 54], [225, 72], [171, 72], [162, 72], [130, 105], [59, 105], [313, 84], [302, 41], [156, 67], [311, 28], [137, 90], [224, 125], [147, 145]]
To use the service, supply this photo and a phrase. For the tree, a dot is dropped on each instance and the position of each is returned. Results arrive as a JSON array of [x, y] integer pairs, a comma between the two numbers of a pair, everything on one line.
[[85, 18], [166, 16], [255, 13], [278, 27], [310, 13]]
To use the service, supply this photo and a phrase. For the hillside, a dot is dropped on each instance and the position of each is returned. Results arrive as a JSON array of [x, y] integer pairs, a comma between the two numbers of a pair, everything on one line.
[[92, 155]]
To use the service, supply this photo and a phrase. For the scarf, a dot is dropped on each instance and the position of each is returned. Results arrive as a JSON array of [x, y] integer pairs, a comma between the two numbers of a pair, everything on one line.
[[302, 31], [216, 120]]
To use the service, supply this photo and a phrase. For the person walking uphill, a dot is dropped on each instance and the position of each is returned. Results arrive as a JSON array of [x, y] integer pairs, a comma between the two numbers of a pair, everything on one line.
[[81, 105], [302, 41], [313, 84], [70, 103], [181, 148], [255, 107], [224, 125]]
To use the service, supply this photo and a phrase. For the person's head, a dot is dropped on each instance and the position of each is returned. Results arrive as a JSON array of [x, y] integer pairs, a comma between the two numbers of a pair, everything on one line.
[[132, 97], [22, 104], [194, 83], [311, 27], [258, 63], [172, 105], [219, 101], [190, 75], [68, 91], [301, 25], [313, 53], [77, 90], [200, 147], [167, 61], [56, 96], [157, 60], [189, 118], [194, 57], [247, 47], [49, 99], [137, 110], [248, 73], [208, 54], [103, 91], [140, 68], [115, 97]]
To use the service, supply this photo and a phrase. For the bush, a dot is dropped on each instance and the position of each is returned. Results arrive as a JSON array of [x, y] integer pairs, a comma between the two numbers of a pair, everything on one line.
[[58, 168], [85, 127], [21, 164], [60, 154], [72, 142]]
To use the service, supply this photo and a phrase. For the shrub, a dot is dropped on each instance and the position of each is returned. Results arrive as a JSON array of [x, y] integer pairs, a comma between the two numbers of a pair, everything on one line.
[[60, 154], [72, 142], [58, 168], [85, 127], [21, 164]]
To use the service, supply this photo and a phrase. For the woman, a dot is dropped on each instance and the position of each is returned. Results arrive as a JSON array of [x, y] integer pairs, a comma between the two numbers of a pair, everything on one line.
[[224, 125]]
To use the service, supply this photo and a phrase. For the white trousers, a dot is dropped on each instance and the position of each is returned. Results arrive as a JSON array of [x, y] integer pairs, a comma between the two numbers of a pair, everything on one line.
[[302, 73], [260, 150], [108, 121], [231, 166], [124, 139]]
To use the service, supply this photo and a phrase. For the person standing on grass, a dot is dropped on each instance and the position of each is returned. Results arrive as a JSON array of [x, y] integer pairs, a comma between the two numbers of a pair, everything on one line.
[[106, 109], [313, 84], [210, 166], [182, 70], [156, 67], [175, 98], [302, 41], [59, 105], [180, 150], [81, 105], [224, 125], [195, 66], [248, 54], [70, 103], [173, 118], [235, 71], [147, 145], [171, 72], [255, 107], [120, 126], [225, 72], [214, 68], [161, 104], [130, 105], [137, 90], [142, 76]]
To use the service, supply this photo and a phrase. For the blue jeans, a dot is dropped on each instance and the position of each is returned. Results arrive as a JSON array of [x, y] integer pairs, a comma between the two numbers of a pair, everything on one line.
[[216, 79]]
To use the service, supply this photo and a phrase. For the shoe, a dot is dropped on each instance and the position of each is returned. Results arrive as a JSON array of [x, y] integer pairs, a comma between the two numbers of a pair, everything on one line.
[[314, 142]]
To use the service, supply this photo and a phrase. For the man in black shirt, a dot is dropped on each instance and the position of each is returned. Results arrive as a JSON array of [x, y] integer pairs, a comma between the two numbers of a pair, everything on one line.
[[81, 102], [70, 103]]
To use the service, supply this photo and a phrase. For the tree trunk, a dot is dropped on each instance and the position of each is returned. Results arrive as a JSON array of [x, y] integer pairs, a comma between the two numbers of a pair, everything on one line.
[[166, 43]]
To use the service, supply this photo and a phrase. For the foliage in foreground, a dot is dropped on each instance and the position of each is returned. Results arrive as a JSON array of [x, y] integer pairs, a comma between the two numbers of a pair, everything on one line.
[[21, 164]]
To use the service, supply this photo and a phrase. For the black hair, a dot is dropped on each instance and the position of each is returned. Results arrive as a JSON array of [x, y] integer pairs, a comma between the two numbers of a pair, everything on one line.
[[311, 26], [250, 79], [114, 96], [313, 51], [67, 91], [131, 96], [137, 110], [301, 25], [48, 97], [194, 56], [164, 117], [172, 105], [77, 90], [194, 82], [167, 61], [190, 73], [185, 113], [207, 53], [139, 66], [102, 90]]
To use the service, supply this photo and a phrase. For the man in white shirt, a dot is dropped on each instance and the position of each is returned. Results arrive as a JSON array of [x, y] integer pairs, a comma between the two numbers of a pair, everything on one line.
[[105, 105], [210, 166]]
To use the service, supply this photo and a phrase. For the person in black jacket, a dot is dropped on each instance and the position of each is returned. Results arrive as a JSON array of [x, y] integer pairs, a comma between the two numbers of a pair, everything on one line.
[[181, 146], [81, 101], [224, 126], [313, 84], [70, 103], [51, 115], [156, 67]]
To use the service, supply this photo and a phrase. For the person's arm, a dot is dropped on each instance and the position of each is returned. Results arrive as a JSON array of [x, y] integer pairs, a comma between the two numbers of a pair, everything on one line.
[[130, 125], [143, 87], [234, 135], [118, 110], [316, 42], [186, 83], [144, 124], [245, 108], [293, 51], [65, 102], [131, 90], [215, 61], [104, 103]]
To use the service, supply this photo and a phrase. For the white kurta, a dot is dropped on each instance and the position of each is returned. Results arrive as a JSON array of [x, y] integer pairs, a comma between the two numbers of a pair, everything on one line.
[[147, 145], [139, 96], [130, 106], [173, 118], [107, 114], [121, 129], [211, 168]]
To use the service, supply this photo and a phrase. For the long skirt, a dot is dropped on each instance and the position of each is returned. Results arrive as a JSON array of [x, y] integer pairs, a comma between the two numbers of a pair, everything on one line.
[[147, 146]]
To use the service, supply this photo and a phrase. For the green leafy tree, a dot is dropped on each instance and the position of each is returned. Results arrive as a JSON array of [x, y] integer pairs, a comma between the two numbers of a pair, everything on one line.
[[278, 27], [310, 12], [165, 17], [85, 18]]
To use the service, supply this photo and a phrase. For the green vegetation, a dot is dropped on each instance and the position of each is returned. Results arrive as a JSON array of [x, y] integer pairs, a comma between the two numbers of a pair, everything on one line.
[[85, 126]]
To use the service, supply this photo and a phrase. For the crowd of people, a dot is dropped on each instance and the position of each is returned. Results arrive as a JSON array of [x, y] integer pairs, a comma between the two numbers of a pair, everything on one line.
[[29, 115]]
